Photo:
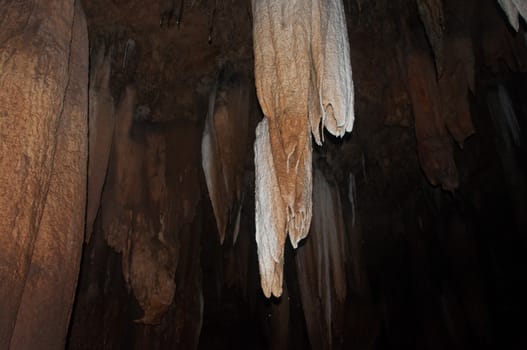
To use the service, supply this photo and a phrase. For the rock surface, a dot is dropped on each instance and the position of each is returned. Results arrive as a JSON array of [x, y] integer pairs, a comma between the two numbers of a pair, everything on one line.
[[43, 147]]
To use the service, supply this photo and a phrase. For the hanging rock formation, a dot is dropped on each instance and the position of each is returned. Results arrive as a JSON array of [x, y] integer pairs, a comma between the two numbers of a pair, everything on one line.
[[101, 125], [431, 13], [148, 201], [456, 74], [321, 265], [304, 83], [508, 139], [270, 215], [224, 148], [43, 148], [433, 142], [513, 9], [440, 99]]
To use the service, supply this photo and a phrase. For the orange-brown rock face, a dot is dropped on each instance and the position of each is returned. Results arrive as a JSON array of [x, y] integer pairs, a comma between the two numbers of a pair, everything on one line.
[[43, 147]]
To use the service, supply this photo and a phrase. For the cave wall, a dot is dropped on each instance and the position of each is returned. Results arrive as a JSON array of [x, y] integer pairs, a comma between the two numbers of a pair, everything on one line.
[[43, 147]]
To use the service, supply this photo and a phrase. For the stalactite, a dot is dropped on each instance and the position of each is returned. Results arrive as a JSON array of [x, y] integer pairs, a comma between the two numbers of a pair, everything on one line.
[[118, 198], [510, 122], [153, 249], [148, 266], [454, 88], [431, 13], [321, 264], [433, 142], [224, 149], [360, 284], [454, 60], [212, 16], [508, 140], [101, 118], [151, 271], [508, 136], [146, 202], [179, 13], [501, 50], [212, 168], [352, 190], [304, 82], [513, 9], [333, 86], [458, 75], [270, 215], [129, 51], [169, 10]]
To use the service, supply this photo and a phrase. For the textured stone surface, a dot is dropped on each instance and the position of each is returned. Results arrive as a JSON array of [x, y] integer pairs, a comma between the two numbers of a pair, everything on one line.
[[304, 84], [43, 143]]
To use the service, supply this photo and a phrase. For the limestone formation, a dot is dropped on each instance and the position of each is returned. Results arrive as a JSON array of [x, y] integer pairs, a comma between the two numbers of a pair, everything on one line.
[[43, 162], [514, 9], [321, 264], [304, 83], [101, 117], [224, 149]]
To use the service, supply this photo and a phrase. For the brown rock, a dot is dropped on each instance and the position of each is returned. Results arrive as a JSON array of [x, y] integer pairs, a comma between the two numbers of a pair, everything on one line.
[[43, 147], [101, 124], [433, 142]]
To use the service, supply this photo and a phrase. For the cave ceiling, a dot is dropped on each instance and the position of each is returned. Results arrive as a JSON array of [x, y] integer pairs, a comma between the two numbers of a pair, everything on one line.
[[173, 65]]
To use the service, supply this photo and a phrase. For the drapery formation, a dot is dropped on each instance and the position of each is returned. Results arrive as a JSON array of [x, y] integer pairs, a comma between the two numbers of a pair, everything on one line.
[[433, 142], [304, 83], [508, 138], [450, 40], [432, 16], [43, 159], [148, 204], [440, 97], [224, 149], [101, 126], [513, 9], [321, 265]]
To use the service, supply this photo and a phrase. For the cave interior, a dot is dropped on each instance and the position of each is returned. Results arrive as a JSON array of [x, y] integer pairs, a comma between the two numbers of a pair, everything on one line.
[[419, 217]]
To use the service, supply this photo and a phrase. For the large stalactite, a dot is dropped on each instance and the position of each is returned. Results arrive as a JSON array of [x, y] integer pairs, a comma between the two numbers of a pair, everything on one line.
[[304, 83], [224, 148]]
